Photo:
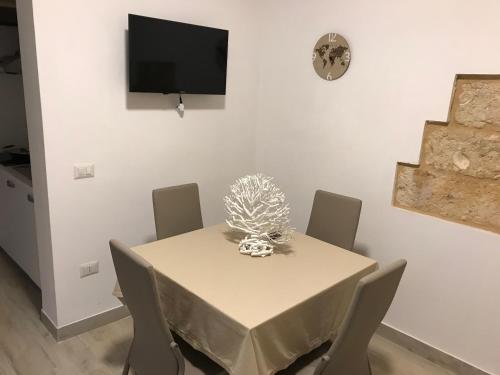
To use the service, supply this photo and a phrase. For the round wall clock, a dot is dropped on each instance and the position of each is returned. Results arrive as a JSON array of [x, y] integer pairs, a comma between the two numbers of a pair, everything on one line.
[[331, 56]]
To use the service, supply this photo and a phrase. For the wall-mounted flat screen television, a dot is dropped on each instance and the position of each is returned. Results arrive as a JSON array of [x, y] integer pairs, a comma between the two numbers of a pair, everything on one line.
[[174, 57]]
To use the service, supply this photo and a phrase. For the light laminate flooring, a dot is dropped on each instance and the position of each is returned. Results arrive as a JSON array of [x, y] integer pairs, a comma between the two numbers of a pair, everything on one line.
[[27, 348]]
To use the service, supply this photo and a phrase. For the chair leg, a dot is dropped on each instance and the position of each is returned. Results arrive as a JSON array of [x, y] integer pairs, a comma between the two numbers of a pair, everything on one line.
[[369, 366], [126, 367]]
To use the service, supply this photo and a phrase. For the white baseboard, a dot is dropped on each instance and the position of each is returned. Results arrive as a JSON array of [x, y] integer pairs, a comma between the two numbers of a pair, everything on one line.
[[429, 352], [73, 329]]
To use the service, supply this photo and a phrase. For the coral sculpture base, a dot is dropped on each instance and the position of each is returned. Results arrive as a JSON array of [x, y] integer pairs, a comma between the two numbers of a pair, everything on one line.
[[255, 246]]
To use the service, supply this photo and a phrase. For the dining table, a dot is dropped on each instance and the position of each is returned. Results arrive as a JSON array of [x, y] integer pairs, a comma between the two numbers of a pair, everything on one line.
[[253, 315]]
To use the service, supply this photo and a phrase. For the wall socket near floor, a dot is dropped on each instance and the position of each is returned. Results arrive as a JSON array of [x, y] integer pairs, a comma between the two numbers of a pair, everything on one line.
[[83, 170], [89, 268]]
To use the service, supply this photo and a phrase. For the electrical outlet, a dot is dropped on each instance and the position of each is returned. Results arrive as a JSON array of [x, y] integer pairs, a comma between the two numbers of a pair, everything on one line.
[[83, 170], [90, 268]]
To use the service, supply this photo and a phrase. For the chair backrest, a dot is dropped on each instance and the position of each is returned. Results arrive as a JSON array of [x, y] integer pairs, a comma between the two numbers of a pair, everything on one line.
[[372, 299], [334, 219], [153, 349], [177, 210]]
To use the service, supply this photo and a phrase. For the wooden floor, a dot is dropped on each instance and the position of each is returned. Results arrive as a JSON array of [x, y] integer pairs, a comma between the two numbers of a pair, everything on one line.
[[27, 348]]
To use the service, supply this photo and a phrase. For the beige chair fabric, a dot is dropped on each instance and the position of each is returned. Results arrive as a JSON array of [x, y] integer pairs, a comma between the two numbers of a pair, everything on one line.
[[334, 219], [348, 353], [177, 210], [153, 350]]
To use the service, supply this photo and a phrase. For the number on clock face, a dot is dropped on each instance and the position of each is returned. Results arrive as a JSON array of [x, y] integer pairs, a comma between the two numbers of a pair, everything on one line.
[[331, 37], [314, 55], [329, 77]]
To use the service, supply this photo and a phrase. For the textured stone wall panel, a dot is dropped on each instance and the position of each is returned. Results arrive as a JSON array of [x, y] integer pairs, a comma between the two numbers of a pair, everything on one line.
[[478, 104], [466, 151], [458, 177], [463, 199]]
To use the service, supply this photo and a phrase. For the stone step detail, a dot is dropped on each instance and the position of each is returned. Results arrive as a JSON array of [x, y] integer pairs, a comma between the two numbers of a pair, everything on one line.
[[458, 175]]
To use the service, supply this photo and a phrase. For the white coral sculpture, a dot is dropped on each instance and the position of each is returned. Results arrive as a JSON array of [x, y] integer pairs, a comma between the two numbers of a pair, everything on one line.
[[257, 207]]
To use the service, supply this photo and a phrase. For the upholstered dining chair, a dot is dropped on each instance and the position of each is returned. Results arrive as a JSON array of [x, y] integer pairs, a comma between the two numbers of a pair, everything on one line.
[[177, 210], [153, 350], [334, 219], [348, 353]]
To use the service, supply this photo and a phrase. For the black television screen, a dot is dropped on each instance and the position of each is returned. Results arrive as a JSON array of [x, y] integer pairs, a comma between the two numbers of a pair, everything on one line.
[[174, 57]]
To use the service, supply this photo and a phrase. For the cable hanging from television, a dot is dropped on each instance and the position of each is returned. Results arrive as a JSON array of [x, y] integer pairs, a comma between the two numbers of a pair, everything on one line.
[[180, 106]]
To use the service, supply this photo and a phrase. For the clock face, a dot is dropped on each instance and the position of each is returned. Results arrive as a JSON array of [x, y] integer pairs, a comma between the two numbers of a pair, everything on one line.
[[331, 56]]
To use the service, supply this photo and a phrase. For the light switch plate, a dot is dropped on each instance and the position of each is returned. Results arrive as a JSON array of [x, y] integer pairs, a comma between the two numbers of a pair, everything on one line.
[[83, 170], [89, 268]]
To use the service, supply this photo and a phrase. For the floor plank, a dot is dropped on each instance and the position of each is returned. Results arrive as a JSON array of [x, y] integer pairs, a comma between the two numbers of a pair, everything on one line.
[[27, 348]]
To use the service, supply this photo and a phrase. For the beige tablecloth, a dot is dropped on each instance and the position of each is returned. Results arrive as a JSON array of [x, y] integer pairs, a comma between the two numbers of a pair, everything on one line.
[[253, 315]]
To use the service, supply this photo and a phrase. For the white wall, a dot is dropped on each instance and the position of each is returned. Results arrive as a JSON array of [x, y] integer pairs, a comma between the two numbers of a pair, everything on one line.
[[346, 136], [27, 40], [137, 141], [12, 115]]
